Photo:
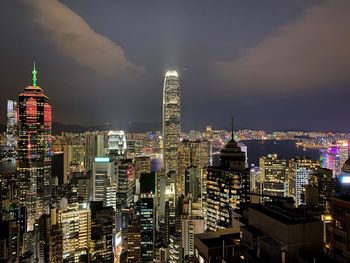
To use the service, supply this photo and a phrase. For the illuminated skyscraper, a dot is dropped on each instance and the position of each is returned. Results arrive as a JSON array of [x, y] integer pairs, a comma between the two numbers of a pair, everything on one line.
[[228, 187], [94, 147], [11, 130], [273, 175], [298, 174], [34, 151], [116, 144], [171, 120]]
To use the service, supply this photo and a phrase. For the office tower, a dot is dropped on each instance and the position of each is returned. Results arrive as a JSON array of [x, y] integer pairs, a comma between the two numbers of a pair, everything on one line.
[[103, 175], [34, 151], [192, 154], [110, 198], [338, 229], [147, 216], [94, 144], [175, 248], [272, 175], [244, 149], [57, 172], [192, 223], [10, 241], [43, 229], [116, 148], [102, 232], [11, 129], [134, 241], [254, 179], [75, 225], [298, 173], [279, 233], [171, 121], [331, 159], [142, 165], [73, 159], [124, 171], [193, 184], [228, 187], [82, 184], [321, 186], [56, 243]]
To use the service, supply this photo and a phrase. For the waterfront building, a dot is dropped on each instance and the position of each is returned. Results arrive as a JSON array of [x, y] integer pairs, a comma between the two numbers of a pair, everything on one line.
[[298, 174], [272, 175]]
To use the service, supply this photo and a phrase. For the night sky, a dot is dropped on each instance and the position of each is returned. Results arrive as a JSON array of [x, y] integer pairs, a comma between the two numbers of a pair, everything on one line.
[[271, 64]]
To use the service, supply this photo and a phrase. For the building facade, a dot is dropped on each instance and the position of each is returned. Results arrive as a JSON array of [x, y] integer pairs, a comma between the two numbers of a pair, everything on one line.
[[34, 151]]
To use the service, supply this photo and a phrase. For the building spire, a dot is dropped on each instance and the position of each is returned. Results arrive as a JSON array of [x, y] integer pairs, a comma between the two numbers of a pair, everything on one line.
[[34, 73], [232, 128]]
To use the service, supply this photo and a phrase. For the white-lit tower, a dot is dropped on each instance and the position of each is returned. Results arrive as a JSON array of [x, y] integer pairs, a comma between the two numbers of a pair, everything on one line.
[[171, 121]]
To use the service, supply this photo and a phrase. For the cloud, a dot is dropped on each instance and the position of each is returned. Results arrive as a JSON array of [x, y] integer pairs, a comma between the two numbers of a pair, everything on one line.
[[312, 51], [77, 40]]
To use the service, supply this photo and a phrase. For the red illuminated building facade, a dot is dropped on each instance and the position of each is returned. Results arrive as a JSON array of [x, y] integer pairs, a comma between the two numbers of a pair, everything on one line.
[[34, 151]]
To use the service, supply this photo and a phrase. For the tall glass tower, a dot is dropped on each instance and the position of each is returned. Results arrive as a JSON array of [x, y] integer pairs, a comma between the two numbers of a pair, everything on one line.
[[171, 121], [34, 151]]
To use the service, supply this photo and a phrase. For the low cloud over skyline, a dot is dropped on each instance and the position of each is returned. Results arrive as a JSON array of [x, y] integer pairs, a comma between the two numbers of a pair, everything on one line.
[[312, 51], [72, 36]]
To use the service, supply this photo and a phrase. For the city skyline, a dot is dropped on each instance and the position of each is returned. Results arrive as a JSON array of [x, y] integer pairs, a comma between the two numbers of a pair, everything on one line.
[[202, 46], [118, 149]]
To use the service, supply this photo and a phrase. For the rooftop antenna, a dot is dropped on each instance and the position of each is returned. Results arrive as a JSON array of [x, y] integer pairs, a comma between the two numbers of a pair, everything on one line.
[[34, 73]]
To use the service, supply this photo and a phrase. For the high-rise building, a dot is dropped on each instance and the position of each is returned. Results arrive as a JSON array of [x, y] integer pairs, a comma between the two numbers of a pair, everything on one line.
[[103, 175], [134, 241], [11, 129], [298, 174], [171, 120], [320, 188], [102, 232], [116, 144], [75, 225], [194, 154], [272, 175], [34, 151], [94, 147], [147, 216], [339, 229], [228, 187], [73, 160]]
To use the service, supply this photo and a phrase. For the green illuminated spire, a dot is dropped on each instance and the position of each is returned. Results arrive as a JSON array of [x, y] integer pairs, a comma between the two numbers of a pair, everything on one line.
[[34, 72]]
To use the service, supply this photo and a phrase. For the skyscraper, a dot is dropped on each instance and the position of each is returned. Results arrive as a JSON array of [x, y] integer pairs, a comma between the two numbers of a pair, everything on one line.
[[34, 151], [116, 144], [11, 130], [298, 173], [228, 187], [273, 175], [171, 120]]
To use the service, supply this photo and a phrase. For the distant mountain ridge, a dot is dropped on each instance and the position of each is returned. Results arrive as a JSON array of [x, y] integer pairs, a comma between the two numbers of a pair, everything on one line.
[[58, 128]]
